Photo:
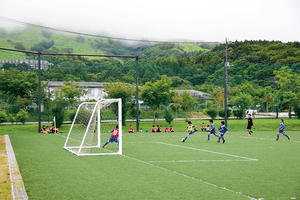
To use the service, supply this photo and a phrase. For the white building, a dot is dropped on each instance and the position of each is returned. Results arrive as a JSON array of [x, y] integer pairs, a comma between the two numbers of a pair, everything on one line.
[[93, 90], [32, 63]]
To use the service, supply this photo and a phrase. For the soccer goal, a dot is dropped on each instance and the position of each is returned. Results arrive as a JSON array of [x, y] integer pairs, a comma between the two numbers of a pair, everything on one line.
[[92, 126]]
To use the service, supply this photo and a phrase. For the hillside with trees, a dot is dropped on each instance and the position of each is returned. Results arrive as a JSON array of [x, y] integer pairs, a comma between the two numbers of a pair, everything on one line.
[[262, 74]]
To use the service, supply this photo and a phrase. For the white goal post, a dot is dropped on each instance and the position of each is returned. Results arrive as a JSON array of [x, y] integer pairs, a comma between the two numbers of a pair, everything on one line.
[[92, 126]]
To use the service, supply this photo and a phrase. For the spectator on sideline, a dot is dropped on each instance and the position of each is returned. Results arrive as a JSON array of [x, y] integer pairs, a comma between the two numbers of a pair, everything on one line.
[[166, 129], [203, 127], [44, 130], [130, 129], [153, 130], [171, 129]]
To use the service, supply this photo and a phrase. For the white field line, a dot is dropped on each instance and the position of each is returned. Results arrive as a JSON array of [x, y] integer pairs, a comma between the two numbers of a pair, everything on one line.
[[267, 139], [191, 177], [188, 176], [187, 161], [204, 150], [17, 185]]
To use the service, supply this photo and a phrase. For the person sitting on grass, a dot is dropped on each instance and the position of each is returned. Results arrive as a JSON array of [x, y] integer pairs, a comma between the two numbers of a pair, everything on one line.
[[191, 129], [281, 130], [166, 129], [203, 127], [223, 129], [158, 129], [53, 129], [153, 130], [44, 130], [207, 128], [114, 136], [171, 129], [130, 129]]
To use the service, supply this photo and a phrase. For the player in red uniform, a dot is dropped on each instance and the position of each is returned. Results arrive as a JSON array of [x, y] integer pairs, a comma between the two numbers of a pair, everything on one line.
[[114, 136], [166, 129], [153, 130], [130, 129], [171, 129]]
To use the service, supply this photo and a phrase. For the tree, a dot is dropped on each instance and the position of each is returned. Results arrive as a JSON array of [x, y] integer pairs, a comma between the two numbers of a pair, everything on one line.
[[222, 113], [288, 87], [243, 101], [187, 102], [58, 110], [176, 102], [169, 116], [123, 91], [212, 113], [239, 113], [22, 116], [3, 116], [71, 93], [157, 93], [220, 98], [18, 88]]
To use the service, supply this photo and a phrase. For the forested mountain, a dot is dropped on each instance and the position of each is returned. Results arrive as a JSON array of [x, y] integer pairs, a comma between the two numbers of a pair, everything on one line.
[[188, 65]]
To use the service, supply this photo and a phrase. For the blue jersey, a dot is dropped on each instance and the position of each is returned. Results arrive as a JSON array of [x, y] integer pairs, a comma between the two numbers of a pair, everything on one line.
[[212, 128], [223, 129], [281, 128]]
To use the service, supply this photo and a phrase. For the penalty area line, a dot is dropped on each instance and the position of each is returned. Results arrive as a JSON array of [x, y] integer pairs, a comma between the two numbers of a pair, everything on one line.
[[186, 161], [204, 150], [191, 177]]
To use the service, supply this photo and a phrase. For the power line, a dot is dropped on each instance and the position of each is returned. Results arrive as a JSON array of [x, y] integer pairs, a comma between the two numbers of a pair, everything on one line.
[[100, 36]]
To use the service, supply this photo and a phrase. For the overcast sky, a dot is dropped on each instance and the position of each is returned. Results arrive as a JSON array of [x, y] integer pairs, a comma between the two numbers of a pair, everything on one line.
[[209, 20]]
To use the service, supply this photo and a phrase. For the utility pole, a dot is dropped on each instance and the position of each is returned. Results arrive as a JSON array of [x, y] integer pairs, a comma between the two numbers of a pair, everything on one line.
[[226, 64], [39, 90], [137, 92]]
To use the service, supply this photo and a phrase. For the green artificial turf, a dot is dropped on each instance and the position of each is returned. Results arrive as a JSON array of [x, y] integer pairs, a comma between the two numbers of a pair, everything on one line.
[[159, 166]]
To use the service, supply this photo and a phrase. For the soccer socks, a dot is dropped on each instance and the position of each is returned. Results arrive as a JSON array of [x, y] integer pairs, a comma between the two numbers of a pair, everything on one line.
[[277, 137], [287, 136], [105, 143], [219, 139], [223, 138], [208, 137], [185, 138]]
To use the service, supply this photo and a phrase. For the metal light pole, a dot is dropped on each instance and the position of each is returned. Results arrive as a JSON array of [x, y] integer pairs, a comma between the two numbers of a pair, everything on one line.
[[137, 92], [39, 90], [226, 81]]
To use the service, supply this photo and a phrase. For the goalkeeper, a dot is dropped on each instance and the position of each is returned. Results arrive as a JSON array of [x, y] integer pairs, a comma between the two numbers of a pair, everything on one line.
[[114, 136]]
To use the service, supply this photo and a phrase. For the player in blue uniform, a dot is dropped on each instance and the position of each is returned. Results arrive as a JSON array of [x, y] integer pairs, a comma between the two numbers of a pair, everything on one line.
[[223, 129], [281, 130], [191, 129], [212, 130], [114, 136]]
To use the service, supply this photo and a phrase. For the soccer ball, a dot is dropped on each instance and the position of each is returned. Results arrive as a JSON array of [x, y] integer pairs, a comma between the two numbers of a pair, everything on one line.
[[182, 139]]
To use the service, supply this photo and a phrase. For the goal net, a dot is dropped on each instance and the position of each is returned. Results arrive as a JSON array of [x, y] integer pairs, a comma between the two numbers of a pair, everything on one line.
[[92, 127]]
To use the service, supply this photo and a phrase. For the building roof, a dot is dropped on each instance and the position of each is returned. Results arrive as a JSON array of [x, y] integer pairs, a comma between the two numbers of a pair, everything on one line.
[[194, 93], [81, 84]]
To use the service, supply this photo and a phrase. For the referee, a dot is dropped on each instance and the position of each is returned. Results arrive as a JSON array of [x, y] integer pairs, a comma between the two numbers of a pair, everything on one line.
[[250, 125]]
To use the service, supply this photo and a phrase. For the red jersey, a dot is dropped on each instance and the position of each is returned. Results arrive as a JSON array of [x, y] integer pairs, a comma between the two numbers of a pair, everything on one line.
[[115, 133], [131, 129], [166, 129], [171, 129], [52, 128], [153, 129]]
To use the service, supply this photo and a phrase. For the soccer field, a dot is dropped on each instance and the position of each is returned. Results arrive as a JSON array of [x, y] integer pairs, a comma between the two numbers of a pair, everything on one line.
[[159, 166]]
